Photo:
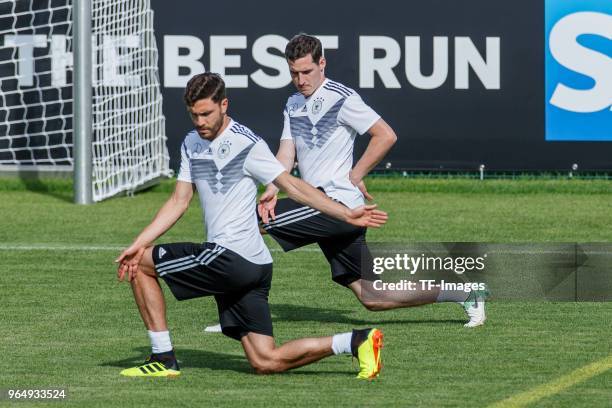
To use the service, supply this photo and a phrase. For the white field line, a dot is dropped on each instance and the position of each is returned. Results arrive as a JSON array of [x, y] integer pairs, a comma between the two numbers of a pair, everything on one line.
[[83, 247], [117, 247]]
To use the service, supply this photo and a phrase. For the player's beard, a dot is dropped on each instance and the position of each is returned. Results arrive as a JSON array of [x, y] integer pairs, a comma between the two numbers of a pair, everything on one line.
[[215, 128]]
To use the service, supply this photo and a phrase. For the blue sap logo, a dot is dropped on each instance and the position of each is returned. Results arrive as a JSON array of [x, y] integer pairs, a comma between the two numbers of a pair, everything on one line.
[[578, 70]]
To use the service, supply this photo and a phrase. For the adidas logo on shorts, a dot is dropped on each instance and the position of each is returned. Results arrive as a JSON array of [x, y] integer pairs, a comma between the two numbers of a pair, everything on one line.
[[161, 252]]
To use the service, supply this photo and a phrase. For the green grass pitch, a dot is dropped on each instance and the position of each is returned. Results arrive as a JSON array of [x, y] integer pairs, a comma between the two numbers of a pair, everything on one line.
[[66, 321]]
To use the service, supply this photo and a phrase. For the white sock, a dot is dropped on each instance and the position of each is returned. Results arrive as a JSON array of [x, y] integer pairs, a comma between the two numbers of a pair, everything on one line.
[[458, 296], [160, 341], [341, 343]]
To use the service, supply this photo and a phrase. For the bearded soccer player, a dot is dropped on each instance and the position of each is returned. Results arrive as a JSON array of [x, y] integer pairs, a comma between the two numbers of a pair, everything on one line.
[[224, 161], [321, 123]]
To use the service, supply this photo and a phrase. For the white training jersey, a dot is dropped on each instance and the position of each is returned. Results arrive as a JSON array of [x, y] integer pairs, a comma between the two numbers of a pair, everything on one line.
[[323, 128], [226, 172]]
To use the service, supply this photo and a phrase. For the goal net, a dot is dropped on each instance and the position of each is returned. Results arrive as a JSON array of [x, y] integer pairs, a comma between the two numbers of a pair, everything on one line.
[[36, 95]]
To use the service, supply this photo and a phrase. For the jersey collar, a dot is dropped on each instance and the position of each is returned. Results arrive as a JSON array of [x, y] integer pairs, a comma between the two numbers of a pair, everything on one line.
[[226, 131]]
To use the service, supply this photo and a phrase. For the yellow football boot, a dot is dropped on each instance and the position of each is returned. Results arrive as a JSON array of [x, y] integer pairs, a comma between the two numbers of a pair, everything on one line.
[[153, 368], [366, 345]]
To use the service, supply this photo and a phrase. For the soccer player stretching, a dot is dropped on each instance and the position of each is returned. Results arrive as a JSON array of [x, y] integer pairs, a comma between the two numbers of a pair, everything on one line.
[[321, 122], [224, 161]]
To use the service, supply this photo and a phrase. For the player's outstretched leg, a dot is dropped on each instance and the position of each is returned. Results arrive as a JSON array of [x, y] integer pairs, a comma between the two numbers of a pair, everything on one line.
[[379, 300], [152, 307], [266, 358], [473, 302], [351, 265]]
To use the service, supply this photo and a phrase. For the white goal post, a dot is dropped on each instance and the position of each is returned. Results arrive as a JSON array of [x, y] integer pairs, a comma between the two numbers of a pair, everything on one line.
[[39, 81]]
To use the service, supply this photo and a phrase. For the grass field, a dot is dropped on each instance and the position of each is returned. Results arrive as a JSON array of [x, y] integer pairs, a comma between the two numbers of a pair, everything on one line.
[[67, 322]]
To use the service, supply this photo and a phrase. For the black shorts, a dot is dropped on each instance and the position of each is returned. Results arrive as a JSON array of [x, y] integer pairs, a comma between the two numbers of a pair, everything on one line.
[[240, 287], [344, 245]]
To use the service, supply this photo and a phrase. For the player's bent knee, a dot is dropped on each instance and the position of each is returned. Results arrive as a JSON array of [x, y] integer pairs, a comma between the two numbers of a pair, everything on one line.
[[142, 275], [267, 366], [372, 306], [366, 298], [146, 264], [145, 270], [147, 267]]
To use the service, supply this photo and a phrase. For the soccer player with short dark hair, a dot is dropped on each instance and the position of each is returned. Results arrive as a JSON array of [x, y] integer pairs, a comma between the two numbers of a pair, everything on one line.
[[224, 161], [321, 122]]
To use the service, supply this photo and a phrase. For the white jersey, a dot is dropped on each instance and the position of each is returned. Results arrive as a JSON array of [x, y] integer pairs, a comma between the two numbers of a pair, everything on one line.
[[226, 172], [323, 128]]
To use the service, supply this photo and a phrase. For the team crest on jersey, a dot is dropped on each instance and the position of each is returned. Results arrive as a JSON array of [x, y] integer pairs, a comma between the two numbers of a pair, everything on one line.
[[198, 148], [317, 106], [292, 108], [224, 149]]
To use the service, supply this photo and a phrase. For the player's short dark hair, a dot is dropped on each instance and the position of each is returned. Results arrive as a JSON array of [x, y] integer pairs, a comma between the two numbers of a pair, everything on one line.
[[203, 86], [303, 44]]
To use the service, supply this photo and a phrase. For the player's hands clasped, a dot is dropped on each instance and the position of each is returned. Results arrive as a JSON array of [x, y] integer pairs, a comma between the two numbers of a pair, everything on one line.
[[128, 262], [367, 216]]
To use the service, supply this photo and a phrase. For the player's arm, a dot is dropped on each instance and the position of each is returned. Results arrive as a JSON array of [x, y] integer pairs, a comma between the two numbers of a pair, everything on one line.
[[286, 156], [267, 201], [168, 214], [166, 217], [382, 139], [304, 193]]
